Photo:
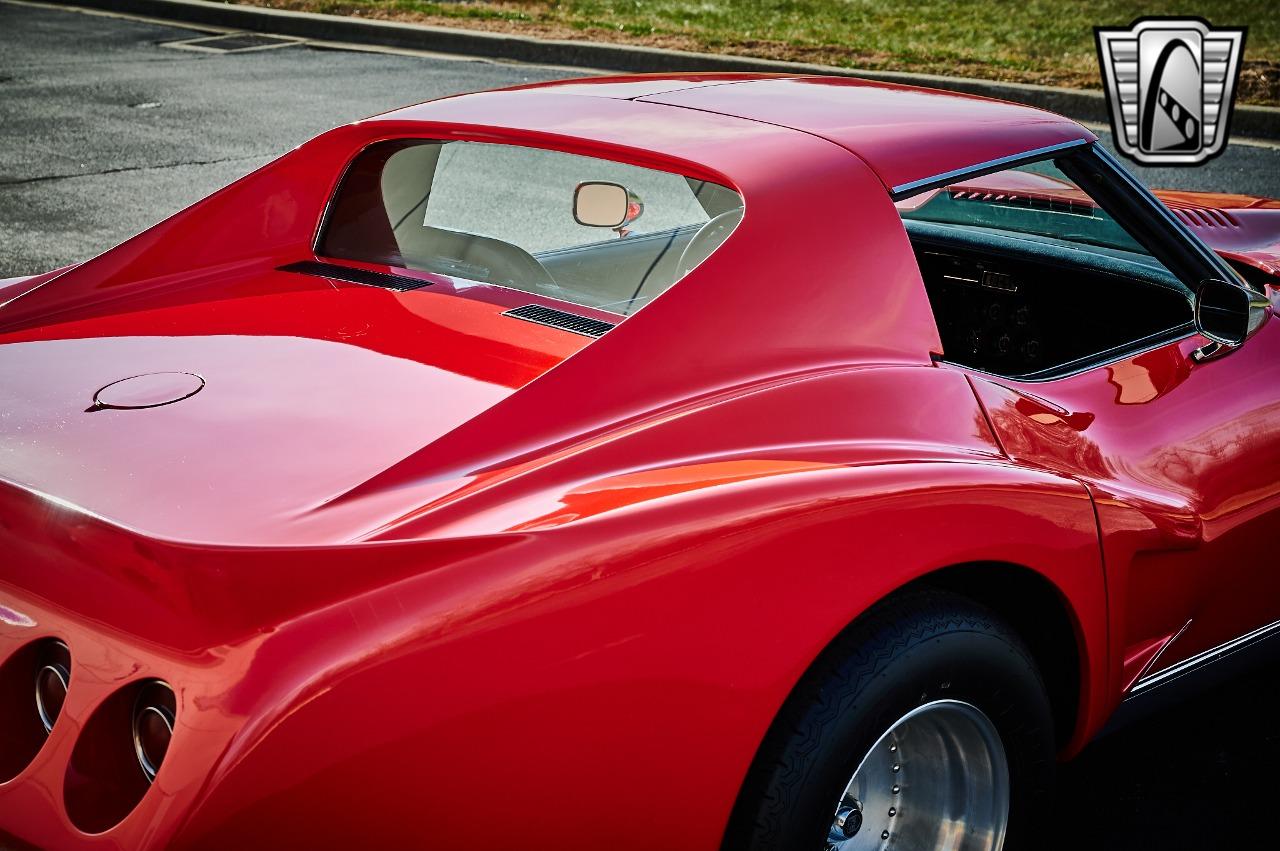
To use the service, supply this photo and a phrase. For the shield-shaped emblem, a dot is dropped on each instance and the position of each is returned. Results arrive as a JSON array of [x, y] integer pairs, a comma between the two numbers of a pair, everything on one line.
[[1170, 83]]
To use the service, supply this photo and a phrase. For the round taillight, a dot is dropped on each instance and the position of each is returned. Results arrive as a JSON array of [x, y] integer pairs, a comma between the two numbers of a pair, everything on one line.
[[53, 678], [153, 715]]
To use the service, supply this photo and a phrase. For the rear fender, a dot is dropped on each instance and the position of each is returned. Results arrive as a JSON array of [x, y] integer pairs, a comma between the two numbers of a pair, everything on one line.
[[597, 655]]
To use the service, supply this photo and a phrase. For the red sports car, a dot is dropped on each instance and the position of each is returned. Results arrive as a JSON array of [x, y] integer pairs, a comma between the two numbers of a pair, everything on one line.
[[669, 462]]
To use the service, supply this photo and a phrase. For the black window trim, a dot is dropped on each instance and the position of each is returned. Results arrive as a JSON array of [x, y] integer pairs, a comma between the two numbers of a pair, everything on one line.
[[1175, 238], [915, 187]]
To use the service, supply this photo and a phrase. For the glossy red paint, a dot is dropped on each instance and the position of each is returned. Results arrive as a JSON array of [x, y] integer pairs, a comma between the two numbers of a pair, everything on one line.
[[1182, 458], [1243, 228], [312, 387], [903, 133], [418, 573]]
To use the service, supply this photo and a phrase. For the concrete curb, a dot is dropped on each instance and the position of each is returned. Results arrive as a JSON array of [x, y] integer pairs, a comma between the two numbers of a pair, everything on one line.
[[1261, 122]]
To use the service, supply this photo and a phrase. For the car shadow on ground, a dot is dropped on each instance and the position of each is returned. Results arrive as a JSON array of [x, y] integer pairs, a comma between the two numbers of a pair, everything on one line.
[[1203, 775]]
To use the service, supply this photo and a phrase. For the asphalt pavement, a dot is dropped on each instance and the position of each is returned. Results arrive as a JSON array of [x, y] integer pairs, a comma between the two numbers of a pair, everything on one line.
[[104, 131]]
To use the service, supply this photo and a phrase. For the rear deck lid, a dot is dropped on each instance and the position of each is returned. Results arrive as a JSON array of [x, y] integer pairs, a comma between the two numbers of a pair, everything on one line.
[[230, 413]]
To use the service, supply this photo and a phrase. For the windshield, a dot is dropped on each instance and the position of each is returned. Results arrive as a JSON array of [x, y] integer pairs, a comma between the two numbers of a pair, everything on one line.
[[508, 215], [1036, 199]]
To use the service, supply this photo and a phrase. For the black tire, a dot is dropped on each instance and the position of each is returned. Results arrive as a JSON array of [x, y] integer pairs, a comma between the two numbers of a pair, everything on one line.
[[922, 647]]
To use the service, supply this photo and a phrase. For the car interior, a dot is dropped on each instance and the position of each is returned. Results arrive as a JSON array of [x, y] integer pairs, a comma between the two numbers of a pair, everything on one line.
[[622, 275], [1027, 274], [1010, 307], [598, 256], [1037, 281]]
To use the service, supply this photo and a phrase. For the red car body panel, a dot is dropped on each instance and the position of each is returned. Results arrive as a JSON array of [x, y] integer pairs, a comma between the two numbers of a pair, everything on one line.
[[903, 133], [1240, 227], [1184, 462], [317, 386], [412, 571]]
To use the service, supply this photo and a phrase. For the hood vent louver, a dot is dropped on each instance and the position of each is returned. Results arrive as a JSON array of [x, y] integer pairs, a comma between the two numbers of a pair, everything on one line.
[[1204, 217], [560, 319], [1052, 204], [384, 280]]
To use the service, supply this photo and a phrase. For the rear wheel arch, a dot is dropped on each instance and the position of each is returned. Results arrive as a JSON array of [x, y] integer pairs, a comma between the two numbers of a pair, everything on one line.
[[1037, 610], [1040, 615], [1027, 601]]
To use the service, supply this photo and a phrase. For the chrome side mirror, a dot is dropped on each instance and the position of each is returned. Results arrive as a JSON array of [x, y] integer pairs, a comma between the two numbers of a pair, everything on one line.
[[1228, 314], [599, 204]]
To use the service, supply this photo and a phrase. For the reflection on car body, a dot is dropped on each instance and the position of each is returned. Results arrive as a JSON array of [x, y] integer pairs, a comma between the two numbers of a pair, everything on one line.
[[851, 453]]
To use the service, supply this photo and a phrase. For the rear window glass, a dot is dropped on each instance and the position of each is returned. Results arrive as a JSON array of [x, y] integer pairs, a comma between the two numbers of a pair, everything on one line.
[[528, 219]]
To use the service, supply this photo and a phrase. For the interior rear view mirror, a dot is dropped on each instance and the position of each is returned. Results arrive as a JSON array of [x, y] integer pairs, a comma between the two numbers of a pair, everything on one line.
[[1227, 313], [599, 204]]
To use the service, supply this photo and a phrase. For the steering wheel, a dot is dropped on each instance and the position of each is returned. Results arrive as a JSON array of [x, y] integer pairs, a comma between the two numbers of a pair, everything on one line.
[[707, 240]]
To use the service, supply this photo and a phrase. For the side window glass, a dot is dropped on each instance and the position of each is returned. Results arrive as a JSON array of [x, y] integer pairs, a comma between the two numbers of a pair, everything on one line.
[[1029, 276]]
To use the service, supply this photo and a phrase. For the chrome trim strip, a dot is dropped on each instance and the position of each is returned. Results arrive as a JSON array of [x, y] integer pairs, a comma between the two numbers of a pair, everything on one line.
[[909, 189], [1133, 348], [1151, 663], [48, 719], [140, 708], [1204, 658], [1081, 365]]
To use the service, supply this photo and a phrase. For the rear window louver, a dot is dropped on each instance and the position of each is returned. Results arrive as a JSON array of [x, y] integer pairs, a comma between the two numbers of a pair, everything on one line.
[[384, 280], [560, 319]]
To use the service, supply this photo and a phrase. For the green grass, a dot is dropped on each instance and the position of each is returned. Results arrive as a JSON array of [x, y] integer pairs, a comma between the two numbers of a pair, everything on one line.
[[1040, 41]]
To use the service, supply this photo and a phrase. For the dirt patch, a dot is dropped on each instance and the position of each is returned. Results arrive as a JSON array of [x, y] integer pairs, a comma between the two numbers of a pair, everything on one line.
[[1259, 83]]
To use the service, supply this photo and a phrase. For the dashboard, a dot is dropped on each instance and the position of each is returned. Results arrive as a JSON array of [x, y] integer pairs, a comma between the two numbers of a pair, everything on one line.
[[1025, 309]]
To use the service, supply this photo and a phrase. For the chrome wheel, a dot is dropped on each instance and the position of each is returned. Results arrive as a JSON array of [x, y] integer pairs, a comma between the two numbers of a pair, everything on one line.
[[937, 779]]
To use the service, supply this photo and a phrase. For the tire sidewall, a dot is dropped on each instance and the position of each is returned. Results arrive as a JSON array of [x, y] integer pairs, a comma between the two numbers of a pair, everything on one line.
[[880, 679]]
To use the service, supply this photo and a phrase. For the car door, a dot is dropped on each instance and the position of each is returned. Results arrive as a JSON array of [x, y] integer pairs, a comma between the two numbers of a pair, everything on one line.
[[1183, 459], [1178, 441]]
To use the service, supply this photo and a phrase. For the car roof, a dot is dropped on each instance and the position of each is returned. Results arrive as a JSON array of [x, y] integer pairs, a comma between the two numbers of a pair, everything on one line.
[[905, 134]]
